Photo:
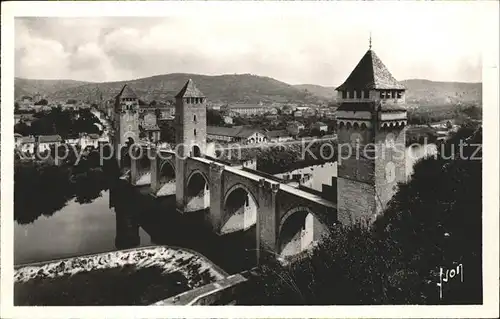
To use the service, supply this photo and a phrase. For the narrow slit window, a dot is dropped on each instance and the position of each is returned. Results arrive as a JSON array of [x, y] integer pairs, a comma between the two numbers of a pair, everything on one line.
[[194, 132]]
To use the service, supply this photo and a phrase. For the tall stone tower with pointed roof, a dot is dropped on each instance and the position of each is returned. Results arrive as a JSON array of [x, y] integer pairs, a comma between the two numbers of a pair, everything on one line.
[[371, 124], [190, 131], [126, 119]]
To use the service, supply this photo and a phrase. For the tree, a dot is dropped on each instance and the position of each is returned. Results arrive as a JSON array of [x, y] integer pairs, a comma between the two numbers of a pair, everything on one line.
[[214, 117], [22, 128], [42, 102]]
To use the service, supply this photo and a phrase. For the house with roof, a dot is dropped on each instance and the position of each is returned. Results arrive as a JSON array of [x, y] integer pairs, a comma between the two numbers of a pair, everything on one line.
[[46, 141], [298, 114], [26, 144], [279, 136], [245, 109], [227, 119], [89, 140], [295, 127], [236, 134], [319, 126]]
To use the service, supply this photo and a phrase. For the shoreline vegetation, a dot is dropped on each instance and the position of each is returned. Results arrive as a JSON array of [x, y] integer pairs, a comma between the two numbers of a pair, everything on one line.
[[142, 276], [32, 196]]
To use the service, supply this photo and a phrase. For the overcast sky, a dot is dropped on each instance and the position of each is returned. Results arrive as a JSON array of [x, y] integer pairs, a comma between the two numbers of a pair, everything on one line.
[[441, 43]]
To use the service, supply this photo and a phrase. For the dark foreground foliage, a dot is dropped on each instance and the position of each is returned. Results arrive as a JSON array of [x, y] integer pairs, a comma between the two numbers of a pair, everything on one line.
[[434, 221]]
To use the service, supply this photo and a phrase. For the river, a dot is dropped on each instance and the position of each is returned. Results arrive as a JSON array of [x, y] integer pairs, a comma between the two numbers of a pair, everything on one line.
[[76, 229]]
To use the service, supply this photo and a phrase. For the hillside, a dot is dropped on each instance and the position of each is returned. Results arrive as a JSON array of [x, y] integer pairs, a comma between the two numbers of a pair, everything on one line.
[[327, 92], [425, 92], [245, 88], [224, 88], [422, 92], [45, 87]]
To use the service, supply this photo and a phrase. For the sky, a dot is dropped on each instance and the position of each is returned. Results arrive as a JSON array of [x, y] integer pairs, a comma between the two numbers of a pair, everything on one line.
[[320, 45]]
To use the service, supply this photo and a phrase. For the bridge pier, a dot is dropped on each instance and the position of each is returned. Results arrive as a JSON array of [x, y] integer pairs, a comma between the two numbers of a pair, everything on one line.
[[216, 197], [155, 171], [134, 170], [267, 225], [180, 180]]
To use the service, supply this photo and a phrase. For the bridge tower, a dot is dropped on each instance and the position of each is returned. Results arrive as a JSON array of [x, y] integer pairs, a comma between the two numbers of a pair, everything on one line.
[[190, 132], [125, 121], [371, 124]]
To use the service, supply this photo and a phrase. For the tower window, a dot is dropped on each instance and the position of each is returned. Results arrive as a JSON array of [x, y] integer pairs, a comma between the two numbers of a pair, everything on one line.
[[400, 94], [393, 94], [194, 118], [195, 132], [382, 94], [344, 94], [353, 94], [358, 94], [367, 94]]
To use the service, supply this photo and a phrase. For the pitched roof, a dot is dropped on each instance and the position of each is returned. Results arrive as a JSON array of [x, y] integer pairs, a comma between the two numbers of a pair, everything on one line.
[[127, 93], [319, 124], [49, 138], [246, 106], [94, 136], [189, 90], [278, 133], [370, 73], [236, 131], [371, 106], [28, 140]]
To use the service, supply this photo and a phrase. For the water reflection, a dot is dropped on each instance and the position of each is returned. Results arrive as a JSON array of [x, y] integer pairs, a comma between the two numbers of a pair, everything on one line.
[[76, 229]]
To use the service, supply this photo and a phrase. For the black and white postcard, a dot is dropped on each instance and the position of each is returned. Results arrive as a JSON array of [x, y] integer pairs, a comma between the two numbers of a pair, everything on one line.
[[331, 155]]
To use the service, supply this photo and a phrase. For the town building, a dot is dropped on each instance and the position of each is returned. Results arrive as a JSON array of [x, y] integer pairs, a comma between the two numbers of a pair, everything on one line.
[[371, 112], [236, 134], [320, 126], [45, 142], [227, 119], [26, 144], [279, 136], [294, 128], [245, 109]]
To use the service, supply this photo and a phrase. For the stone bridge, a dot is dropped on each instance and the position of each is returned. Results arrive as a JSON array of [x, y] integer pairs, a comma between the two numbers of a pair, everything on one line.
[[287, 219]]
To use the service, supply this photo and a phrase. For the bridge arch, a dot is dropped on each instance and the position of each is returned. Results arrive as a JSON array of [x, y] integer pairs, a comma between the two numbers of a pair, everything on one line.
[[296, 230], [167, 172], [240, 209], [125, 151], [197, 191], [141, 158]]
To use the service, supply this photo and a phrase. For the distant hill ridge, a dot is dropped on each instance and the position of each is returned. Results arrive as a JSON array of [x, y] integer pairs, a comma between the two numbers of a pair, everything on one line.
[[233, 88]]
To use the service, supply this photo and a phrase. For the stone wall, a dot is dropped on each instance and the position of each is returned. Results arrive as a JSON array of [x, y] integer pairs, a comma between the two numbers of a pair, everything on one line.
[[356, 201]]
